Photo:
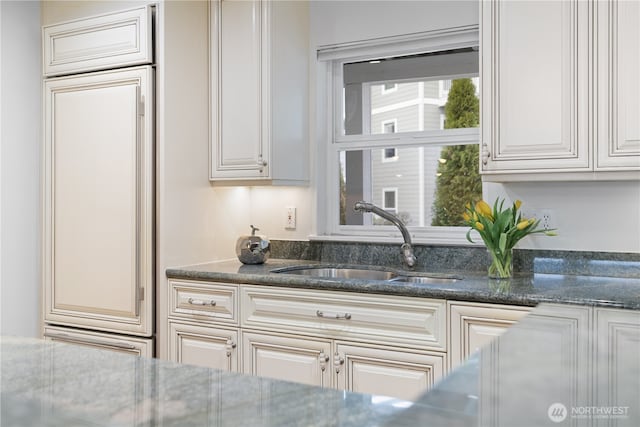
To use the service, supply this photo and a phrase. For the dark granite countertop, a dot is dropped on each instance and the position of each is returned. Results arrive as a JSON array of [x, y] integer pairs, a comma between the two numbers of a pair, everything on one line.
[[46, 383], [549, 366], [528, 289]]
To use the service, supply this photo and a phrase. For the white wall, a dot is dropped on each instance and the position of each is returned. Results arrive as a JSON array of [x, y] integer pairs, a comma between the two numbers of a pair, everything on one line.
[[589, 216], [20, 116]]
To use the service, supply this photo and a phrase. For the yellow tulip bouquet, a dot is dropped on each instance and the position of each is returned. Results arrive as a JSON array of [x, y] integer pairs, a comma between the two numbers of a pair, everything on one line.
[[500, 230]]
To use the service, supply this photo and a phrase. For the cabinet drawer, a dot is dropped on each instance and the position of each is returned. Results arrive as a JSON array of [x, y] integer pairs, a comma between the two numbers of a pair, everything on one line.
[[118, 343], [415, 322], [203, 301], [106, 41]]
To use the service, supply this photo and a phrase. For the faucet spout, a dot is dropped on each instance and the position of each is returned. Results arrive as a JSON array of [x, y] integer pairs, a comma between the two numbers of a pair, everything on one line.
[[406, 248]]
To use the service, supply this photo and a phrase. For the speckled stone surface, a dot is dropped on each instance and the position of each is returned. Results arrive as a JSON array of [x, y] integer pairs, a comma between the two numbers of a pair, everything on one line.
[[45, 383], [465, 258], [527, 289]]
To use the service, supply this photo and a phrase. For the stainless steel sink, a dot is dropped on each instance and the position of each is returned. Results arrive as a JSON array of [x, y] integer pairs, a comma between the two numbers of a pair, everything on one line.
[[340, 273], [427, 280], [369, 274]]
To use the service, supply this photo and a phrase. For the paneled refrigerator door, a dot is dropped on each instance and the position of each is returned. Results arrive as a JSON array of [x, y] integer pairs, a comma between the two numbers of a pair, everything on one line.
[[98, 200]]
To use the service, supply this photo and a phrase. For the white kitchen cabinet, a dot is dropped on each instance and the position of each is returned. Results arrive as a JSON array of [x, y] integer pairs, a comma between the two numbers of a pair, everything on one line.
[[117, 39], [567, 369], [474, 325], [98, 200], [383, 319], [204, 324], [617, 341], [369, 343], [207, 346], [617, 97], [259, 92], [287, 357], [386, 371], [118, 343], [559, 95], [534, 79]]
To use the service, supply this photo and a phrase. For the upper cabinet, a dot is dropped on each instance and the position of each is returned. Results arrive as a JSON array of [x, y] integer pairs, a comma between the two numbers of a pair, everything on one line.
[[560, 96], [617, 85], [112, 40], [259, 91]]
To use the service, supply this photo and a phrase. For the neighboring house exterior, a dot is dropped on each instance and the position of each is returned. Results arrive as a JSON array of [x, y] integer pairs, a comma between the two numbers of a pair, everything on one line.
[[403, 181]]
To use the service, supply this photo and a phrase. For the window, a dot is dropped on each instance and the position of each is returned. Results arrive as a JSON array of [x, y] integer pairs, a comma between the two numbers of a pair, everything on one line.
[[388, 88], [389, 126], [415, 159], [389, 154], [389, 197]]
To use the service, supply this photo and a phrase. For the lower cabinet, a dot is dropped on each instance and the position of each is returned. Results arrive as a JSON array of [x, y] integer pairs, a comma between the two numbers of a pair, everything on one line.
[[208, 346], [290, 358], [617, 342], [474, 325], [362, 368], [559, 335], [374, 344], [386, 371]]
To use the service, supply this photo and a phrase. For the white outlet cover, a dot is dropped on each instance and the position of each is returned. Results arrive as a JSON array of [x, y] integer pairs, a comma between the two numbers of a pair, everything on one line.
[[290, 218]]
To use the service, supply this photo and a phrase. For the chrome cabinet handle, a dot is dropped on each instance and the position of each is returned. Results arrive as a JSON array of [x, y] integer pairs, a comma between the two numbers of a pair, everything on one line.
[[262, 162], [486, 154], [338, 361], [192, 301], [324, 359], [230, 345], [76, 340], [345, 316]]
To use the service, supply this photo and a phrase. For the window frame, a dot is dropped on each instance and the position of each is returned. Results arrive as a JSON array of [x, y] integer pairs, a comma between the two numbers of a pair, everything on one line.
[[337, 141]]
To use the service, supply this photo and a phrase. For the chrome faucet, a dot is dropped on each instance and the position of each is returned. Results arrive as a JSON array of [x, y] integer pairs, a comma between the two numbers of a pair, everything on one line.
[[406, 248]]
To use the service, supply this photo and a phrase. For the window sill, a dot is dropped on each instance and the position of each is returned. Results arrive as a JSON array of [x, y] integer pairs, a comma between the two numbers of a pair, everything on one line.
[[431, 237]]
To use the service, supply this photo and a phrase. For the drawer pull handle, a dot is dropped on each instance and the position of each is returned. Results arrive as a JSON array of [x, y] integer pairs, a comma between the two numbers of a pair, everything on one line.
[[91, 341], [345, 316], [192, 301]]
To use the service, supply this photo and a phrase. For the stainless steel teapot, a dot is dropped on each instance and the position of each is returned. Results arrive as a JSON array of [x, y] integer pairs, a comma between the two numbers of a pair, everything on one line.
[[253, 249]]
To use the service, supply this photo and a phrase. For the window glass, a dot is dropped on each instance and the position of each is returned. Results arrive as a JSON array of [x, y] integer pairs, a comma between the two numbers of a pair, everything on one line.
[[414, 104], [395, 137]]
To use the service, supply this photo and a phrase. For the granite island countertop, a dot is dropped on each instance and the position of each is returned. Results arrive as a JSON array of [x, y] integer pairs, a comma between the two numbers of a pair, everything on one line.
[[527, 289], [551, 365]]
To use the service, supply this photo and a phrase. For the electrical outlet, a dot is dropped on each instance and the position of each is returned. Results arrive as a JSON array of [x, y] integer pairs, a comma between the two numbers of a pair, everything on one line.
[[546, 217], [290, 218]]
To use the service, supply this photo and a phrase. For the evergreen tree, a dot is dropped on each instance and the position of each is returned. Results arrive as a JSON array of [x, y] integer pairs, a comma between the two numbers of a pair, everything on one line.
[[458, 180]]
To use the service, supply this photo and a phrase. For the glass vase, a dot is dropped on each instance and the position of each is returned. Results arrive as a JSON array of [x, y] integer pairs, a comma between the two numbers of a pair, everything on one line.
[[501, 266]]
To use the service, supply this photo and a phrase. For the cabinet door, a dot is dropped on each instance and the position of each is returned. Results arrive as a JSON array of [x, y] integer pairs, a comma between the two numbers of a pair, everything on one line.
[[203, 346], [617, 381], [386, 371], [118, 343], [617, 85], [117, 39], [98, 197], [473, 326], [287, 358], [239, 100], [560, 336], [534, 78]]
